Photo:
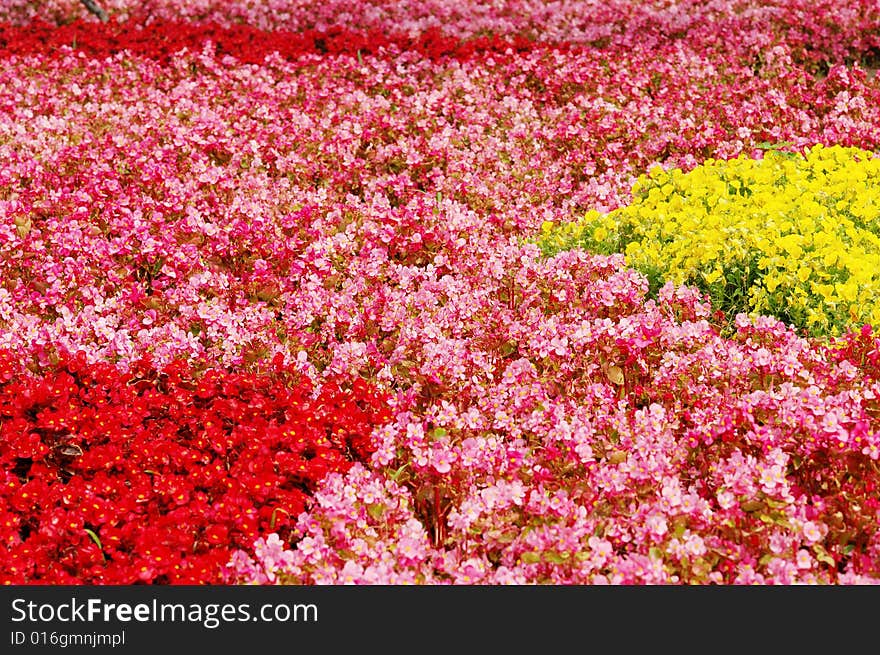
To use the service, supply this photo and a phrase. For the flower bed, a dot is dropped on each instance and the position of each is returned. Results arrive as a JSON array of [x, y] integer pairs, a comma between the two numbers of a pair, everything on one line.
[[156, 475], [233, 222], [792, 236]]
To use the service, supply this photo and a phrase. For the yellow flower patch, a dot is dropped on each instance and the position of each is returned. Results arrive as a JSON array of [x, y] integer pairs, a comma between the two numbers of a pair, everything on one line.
[[792, 235]]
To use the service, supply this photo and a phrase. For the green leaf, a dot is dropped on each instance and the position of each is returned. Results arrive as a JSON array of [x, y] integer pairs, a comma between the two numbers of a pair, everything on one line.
[[396, 475], [376, 510], [94, 537], [530, 558], [274, 514], [751, 505], [438, 433], [655, 553], [823, 556], [506, 536], [777, 518], [766, 145], [678, 530], [700, 567], [556, 558]]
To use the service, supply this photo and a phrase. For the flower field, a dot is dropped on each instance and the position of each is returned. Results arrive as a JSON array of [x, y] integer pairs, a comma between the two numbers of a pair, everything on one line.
[[436, 292]]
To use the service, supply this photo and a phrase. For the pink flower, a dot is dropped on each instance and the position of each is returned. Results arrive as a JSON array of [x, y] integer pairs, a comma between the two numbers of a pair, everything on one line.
[[442, 459], [813, 532], [694, 545], [656, 525], [804, 559]]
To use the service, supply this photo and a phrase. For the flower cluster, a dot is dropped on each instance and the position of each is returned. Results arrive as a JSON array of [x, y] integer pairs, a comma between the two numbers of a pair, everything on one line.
[[156, 475], [818, 32], [361, 531], [796, 236], [349, 201], [629, 443], [164, 40], [210, 215]]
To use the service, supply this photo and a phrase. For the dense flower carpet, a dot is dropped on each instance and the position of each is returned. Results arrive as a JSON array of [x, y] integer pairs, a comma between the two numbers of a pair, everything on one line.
[[440, 292]]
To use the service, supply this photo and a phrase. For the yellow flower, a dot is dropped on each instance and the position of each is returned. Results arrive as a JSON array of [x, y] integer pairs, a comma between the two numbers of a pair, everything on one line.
[[847, 291], [714, 275]]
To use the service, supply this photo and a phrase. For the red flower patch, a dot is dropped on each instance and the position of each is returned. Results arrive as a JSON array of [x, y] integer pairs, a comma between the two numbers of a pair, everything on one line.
[[156, 476], [163, 40]]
